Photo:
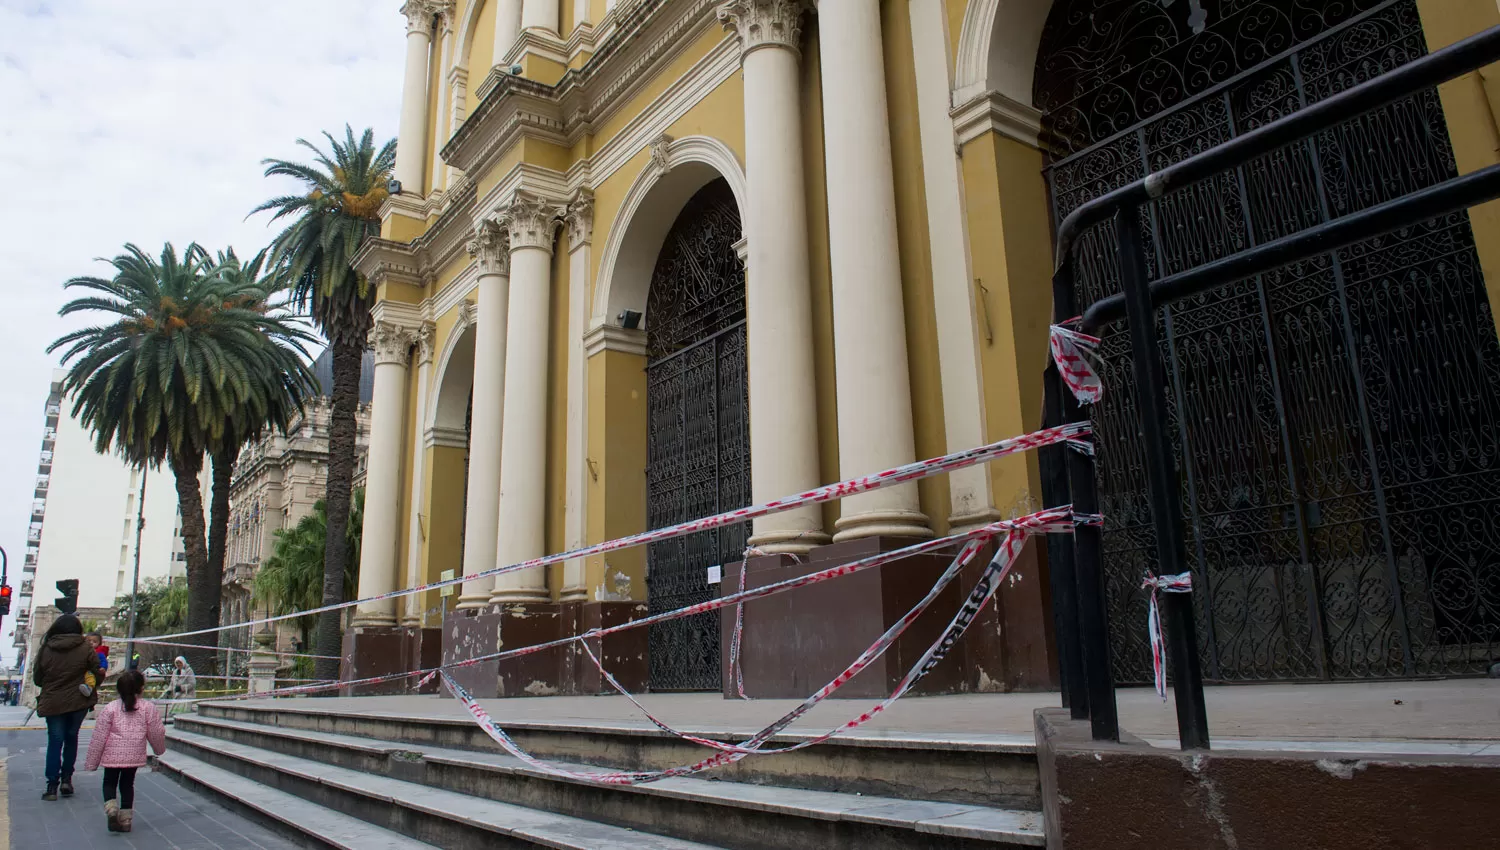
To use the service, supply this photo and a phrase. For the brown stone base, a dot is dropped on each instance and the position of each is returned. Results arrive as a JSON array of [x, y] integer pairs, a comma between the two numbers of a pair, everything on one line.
[[381, 651], [796, 642], [564, 670], [1131, 795]]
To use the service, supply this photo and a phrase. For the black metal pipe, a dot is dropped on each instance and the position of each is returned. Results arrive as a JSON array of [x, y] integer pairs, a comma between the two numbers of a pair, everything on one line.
[[1161, 477], [1449, 196], [1457, 59], [1092, 615], [1060, 561]]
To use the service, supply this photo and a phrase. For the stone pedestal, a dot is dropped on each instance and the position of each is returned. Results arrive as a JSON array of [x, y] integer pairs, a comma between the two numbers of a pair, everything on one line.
[[378, 651], [564, 670], [795, 642], [263, 664]]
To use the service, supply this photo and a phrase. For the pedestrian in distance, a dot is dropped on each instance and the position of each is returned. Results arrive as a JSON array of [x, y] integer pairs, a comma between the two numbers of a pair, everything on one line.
[[61, 671], [121, 733], [183, 686]]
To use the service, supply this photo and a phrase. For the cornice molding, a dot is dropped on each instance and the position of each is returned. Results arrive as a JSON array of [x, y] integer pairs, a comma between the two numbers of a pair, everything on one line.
[[382, 260], [614, 338], [993, 111]]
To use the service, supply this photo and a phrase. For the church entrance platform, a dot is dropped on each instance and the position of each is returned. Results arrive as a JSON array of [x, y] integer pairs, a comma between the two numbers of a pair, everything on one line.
[[1446, 717]]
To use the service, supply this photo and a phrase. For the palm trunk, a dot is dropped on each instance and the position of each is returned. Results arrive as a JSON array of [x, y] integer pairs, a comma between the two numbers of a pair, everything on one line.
[[342, 427], [203, 584], [218, 508]]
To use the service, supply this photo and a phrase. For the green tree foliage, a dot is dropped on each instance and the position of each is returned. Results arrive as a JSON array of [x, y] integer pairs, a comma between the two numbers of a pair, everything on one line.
[[291, 579], [180, 355], [339, 207]]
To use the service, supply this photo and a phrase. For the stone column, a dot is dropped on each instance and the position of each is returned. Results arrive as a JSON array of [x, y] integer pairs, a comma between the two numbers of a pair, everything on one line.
[[411, 147], [377, 560], [507, 28], [445, 53], [580, 222], [540, 14], [869, 330], [783, 397], [523, 436], [490, 247], [412, 613]]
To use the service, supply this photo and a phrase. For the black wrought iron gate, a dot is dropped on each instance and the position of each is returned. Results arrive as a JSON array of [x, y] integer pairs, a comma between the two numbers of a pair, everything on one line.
[[1337, 421], [699, 429]]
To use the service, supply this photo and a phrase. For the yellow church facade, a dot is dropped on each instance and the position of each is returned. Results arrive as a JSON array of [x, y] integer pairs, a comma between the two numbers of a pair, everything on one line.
[[651, 260]]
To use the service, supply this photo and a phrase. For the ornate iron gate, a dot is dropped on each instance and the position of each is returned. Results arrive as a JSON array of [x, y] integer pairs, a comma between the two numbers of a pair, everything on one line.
[[699, 433], [1336, 420]]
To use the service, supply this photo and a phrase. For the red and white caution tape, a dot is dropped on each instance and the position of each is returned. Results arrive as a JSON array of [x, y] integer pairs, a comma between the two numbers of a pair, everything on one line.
[[984, 590], [1181, 583], [863, 484], [1074, 353], [212, 648]]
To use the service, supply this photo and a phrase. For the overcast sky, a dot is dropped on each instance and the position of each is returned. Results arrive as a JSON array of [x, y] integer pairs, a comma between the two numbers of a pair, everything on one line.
[[145, 121]]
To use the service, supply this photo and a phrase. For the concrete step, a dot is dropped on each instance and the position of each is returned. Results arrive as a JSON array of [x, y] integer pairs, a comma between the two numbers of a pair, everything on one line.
[[992, 770], [733, 814], [307, 822], [441, 817]]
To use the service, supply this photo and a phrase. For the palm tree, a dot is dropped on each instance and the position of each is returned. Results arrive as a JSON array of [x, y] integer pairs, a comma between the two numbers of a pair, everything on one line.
[[279, 383], [291, 579], [338, 211], [167, 377]]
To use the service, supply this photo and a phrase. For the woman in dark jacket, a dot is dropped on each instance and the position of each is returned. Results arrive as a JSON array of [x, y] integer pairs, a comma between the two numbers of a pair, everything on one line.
[[65, 699]]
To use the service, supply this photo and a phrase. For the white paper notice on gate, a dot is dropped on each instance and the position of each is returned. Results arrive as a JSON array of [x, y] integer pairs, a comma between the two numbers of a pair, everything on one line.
[[715, 574]]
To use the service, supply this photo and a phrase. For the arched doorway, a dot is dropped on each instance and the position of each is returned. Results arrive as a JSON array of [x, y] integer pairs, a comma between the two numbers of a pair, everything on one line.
[[698, 438], [1334, 420]]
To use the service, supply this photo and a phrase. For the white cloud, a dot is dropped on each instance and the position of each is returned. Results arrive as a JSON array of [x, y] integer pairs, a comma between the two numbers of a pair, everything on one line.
[[145, 121]]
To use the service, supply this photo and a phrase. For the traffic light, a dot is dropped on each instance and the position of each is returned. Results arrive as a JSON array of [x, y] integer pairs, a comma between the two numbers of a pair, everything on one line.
[[68, 602], [4, 599]]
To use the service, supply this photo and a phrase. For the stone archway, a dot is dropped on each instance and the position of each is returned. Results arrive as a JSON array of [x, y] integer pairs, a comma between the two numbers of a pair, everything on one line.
[[445, 433]]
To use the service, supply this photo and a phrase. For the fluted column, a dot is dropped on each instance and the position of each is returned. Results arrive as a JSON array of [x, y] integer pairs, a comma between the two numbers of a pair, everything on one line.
[[411, 147], [869, 330], [783, 397], [523, 437], [412, 614], [507, 28], [490, 247], [580, 222], [540, 14], [377, 561]]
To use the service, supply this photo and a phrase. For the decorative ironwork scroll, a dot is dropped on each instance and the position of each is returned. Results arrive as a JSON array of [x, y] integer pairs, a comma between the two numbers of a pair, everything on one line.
[[1337, 421], [699, 428]]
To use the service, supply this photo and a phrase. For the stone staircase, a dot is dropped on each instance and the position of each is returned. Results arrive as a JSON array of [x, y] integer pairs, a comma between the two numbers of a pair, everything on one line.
[[360, 780]]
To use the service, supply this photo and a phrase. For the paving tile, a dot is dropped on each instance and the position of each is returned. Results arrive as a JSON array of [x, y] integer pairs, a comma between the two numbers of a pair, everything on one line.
[[167, 816]]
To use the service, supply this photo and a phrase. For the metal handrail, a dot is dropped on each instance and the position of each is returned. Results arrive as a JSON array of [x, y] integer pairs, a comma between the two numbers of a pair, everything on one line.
[[1088, 685]]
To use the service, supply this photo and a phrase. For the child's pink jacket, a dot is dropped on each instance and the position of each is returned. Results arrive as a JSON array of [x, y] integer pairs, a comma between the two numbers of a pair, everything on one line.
[[120, 736]]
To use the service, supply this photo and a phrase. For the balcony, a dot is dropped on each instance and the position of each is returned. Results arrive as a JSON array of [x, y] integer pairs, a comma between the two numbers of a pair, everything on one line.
[[49, 436], [34, 535], [43, 482], [27, 586]]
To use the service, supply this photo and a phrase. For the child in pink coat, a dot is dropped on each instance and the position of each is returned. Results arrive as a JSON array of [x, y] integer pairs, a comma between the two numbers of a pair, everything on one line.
[[121, 732]]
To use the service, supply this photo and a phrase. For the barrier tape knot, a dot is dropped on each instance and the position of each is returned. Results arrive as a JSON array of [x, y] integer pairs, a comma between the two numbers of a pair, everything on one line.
[[1075, 354], [1180, 583]]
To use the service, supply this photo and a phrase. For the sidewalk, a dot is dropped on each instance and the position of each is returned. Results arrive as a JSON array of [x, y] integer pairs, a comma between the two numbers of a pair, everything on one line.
[[167, 815]]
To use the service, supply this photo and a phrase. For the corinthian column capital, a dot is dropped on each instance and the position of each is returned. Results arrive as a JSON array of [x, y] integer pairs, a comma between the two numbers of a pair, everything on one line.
[[580, 218], [531, 220], [765, 23], [392, 342], [491, 247], [419, 15]]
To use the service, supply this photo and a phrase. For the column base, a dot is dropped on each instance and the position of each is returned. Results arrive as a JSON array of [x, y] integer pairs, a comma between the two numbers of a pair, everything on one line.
[[960, 523], [563, 670], [370, 651], [899, 523], [789, 542], [472, 601], [795, 642], [369, 620]]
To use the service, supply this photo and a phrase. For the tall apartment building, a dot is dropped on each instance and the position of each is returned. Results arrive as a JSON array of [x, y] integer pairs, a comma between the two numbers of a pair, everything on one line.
[[83, 521]]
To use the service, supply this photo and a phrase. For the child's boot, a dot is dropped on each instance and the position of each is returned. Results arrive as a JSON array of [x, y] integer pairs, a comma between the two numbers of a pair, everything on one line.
[[112, 814], [125, 817]]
